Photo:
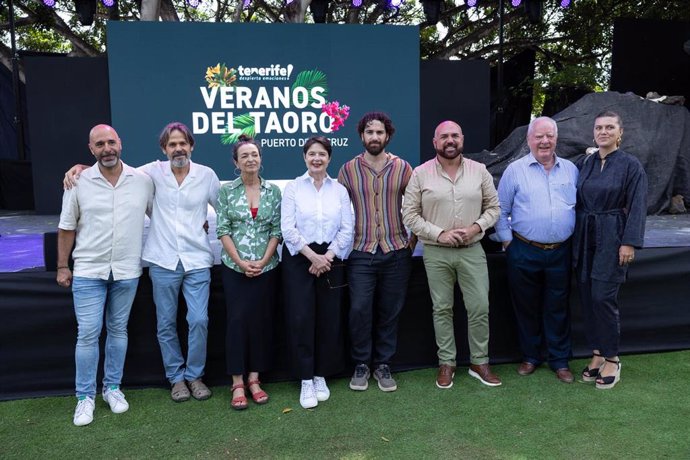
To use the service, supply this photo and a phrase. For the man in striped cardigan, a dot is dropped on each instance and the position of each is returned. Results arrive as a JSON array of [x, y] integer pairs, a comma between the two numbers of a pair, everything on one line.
[[380, 263]]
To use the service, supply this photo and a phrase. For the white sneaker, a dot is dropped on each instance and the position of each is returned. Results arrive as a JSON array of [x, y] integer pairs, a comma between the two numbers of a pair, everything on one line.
[[83, 414], [115, 399], [307, 397], [322, 391]]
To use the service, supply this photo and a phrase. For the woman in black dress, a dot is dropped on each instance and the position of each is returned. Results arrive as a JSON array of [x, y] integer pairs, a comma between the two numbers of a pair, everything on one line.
[[610, 220]]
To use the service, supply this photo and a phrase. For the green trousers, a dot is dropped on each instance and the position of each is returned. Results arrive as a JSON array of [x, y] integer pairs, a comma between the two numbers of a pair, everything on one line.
[[444, 266]]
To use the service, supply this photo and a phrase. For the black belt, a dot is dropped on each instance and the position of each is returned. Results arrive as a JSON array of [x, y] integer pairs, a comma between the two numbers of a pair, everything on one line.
[[544, 246]]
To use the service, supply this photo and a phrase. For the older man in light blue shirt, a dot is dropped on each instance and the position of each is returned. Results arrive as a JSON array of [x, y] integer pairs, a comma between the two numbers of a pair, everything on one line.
[[537, 196]]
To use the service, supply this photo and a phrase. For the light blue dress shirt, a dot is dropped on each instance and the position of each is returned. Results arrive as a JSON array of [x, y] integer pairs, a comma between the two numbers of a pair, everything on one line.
[[537, 205]]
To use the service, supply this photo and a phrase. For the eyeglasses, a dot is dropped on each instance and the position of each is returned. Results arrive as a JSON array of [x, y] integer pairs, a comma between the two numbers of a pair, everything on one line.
[[337, 270]]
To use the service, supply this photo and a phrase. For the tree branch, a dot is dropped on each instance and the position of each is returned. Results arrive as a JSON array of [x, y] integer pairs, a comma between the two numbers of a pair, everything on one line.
[[513, 44], [270, 12], [21, 22], [221, 10], [80, 46], [477, 34], [567, 59]]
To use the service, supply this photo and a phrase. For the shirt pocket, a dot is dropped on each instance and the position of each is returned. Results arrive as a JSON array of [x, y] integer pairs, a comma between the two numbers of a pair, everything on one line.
[[566, 193]]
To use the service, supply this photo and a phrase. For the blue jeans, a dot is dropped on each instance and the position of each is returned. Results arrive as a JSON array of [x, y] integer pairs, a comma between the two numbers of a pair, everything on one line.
[[92, 297], [378, 286], [195, 286]]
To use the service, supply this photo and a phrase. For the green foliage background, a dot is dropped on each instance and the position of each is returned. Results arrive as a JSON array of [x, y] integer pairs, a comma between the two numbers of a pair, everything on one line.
[[573, 45]]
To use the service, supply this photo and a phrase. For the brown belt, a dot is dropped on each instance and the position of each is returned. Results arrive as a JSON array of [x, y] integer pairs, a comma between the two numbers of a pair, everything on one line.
[[545, 247], [459, 246]]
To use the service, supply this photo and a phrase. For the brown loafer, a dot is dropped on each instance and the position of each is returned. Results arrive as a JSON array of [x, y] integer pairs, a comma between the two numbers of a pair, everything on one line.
[[482, 372], [564, 375], [199, 390], [179, 392], [444, 378], [526, 368]]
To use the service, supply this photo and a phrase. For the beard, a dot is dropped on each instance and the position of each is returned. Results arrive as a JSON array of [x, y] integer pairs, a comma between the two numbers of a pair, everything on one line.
[[374, 148], [109, 161], [450, 155], [179, 161]]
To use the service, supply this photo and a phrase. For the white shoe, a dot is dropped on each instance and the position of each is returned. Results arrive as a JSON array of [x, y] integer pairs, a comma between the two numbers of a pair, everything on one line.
[[83, 414], [115, 399], [322, 391], [307, 397]]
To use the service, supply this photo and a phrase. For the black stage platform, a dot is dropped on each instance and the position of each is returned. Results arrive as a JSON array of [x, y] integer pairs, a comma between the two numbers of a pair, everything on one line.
[[38, 328]]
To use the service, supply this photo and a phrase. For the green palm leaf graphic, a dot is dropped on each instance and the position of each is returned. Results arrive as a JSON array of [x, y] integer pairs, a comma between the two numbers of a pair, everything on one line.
[[309, 79], [245, 123]]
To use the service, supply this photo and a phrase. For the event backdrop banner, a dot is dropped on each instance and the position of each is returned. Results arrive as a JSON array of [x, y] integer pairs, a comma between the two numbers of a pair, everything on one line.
[[280, 83]]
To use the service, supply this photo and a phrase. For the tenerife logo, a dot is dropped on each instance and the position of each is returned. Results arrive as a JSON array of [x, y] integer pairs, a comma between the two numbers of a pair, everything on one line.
[[273, 72], [260, 100]]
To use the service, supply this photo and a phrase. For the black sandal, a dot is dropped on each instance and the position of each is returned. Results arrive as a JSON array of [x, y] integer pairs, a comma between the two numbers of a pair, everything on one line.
[[605, 383], [590, 375]]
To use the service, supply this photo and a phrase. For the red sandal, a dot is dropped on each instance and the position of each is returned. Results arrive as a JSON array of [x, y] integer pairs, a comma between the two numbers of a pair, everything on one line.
[[259, 397], [239, 402]]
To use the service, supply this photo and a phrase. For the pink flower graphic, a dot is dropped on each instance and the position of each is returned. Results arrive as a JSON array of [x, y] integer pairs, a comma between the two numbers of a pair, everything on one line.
[[337, 113]]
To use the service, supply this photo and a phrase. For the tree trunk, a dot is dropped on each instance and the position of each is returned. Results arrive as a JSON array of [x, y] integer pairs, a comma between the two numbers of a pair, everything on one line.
[[150, 10], [353, 16], [237, 15], [168, 11], [6, 60], [296, 11]]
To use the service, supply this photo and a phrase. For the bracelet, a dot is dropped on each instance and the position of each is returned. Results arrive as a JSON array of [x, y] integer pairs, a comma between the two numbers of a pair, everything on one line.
[[64, 266]]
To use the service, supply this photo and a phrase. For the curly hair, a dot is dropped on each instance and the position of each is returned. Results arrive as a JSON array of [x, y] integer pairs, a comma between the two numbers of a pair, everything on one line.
[[376, 116]]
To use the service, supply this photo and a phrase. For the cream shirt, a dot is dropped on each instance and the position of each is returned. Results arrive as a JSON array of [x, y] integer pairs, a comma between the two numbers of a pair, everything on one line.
[[433, 202], [109, 222]]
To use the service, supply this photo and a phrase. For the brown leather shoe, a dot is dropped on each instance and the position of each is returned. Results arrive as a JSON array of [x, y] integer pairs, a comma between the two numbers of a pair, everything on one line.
[[526, 368], [483, 373], [444, 378], [564, 375]]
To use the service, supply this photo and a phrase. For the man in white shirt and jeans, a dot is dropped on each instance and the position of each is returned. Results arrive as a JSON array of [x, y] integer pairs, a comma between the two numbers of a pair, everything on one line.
[[180, 255], [105, 216]]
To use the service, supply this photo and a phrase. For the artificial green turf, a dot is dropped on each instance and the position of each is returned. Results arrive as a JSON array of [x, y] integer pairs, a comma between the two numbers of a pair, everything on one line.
[[646, 416]]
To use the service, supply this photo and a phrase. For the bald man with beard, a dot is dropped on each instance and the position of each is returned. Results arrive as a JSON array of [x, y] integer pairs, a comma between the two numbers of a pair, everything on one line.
[[104, 216], [449, 203]]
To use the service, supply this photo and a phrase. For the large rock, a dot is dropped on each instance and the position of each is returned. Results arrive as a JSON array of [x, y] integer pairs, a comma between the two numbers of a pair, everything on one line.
[[657, 134]]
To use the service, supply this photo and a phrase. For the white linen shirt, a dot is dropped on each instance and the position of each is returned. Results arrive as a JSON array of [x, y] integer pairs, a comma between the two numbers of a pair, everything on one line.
[[179, 213], [109, 222], [317, 216]]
